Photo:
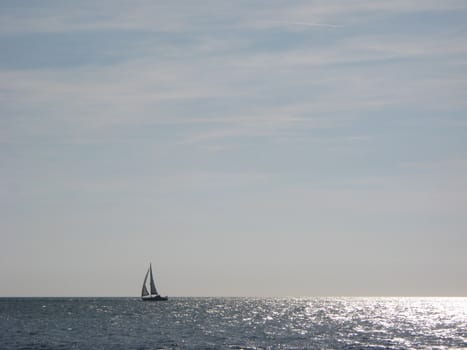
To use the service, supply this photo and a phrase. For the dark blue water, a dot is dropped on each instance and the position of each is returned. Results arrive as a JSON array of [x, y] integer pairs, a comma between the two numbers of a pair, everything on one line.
[[233, 323]]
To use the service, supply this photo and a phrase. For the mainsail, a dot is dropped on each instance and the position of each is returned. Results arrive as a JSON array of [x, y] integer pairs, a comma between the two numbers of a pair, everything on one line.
[[153, 285]]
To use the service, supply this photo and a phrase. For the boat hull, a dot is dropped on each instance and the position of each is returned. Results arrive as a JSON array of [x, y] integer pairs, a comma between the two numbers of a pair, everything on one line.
[[155, 298]]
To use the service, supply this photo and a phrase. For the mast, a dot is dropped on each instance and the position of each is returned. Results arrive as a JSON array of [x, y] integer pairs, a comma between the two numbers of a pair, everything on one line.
[[144, 291], [153, 285]]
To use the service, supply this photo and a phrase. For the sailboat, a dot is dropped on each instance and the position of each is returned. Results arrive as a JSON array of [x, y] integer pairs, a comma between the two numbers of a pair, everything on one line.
[[154, 295]]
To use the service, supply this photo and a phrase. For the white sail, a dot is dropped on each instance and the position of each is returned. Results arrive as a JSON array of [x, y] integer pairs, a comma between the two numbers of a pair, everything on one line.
[[153, 285]]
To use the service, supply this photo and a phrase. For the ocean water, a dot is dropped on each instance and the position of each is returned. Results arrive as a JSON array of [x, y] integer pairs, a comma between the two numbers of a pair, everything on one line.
[[233, 323]]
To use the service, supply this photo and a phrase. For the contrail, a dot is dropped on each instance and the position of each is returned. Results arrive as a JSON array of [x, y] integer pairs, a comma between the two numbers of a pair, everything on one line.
[[308, 24]]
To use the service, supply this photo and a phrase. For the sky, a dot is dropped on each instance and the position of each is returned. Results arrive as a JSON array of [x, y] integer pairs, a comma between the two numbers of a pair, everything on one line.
[[245, 148]]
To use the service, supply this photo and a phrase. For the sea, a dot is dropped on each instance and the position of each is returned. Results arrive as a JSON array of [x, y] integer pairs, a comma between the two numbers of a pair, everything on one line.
[[233, 323]]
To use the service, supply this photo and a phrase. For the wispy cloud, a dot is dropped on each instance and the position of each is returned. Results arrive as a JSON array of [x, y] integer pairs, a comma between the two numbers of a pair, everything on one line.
[[182, 15], [91, 16], [344, 12], [284, 23], [257, 87]]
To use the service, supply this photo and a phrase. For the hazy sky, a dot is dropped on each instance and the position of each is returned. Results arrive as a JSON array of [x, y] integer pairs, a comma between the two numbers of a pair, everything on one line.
[[269, 148]]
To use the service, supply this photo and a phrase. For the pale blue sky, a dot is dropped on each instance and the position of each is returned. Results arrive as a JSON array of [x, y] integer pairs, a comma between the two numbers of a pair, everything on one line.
[[244, 147]]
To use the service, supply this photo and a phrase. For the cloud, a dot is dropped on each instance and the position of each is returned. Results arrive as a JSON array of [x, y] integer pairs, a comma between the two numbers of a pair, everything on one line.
[[179, 16], [291, 24], [224, 77], [90, 16], [343, 12]]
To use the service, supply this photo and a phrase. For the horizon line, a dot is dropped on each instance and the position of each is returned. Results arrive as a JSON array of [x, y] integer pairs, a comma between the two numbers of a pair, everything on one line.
[[238, 296]]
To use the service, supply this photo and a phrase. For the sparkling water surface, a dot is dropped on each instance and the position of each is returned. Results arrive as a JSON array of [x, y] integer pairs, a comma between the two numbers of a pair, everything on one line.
[[233, 323]]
